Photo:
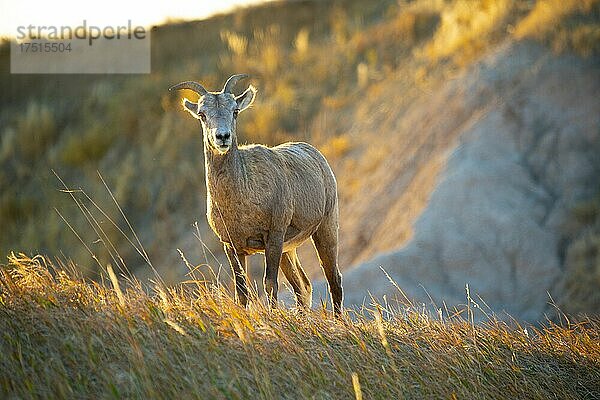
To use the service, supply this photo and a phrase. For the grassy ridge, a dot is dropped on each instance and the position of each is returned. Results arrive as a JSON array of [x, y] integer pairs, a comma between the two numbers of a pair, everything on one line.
[[63, 337]]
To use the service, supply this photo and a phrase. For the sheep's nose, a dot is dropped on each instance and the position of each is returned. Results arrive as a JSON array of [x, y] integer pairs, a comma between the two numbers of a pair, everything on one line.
[[223, 136]]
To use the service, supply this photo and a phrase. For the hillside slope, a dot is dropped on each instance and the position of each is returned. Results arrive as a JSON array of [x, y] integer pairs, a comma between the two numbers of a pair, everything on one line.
[[517, 139], [63, 338]]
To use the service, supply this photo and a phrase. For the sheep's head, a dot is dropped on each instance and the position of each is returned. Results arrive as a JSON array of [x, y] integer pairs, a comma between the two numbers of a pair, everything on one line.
[[217, 111]]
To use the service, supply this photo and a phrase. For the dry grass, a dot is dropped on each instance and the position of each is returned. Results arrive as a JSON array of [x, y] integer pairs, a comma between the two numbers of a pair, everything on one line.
[[467, 28], [564, 24], [582, 258], [63, 337]]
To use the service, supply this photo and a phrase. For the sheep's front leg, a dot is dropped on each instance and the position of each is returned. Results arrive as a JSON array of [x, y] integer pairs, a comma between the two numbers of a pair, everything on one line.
[[238, 265], [273, 250]]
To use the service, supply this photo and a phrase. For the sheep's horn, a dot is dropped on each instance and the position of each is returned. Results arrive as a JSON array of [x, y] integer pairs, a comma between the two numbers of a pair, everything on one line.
[[232, 81], [195, 86]]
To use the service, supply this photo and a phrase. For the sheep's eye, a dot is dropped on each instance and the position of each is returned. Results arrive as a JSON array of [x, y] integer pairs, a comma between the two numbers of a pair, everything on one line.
[[202, 116], [235, 113]]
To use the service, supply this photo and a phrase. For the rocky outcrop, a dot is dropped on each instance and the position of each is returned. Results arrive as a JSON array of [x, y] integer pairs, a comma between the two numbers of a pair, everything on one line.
[[522, 146]]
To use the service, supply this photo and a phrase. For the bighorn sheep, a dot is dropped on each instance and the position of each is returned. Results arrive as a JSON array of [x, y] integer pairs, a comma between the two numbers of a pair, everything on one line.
[[266, 199]]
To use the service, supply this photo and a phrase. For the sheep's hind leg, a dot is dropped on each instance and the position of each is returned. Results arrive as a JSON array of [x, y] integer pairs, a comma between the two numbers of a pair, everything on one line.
[[238, 265], [290, 265], [325, 240]]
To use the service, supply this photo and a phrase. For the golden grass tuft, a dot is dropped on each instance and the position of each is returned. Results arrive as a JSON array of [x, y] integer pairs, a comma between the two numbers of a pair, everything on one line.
[[564, 24], [466, 28], [547, 14], [64, 337]]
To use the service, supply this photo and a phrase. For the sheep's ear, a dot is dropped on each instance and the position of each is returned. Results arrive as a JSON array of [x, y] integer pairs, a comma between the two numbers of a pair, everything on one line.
[[245, 99], [191, 107]]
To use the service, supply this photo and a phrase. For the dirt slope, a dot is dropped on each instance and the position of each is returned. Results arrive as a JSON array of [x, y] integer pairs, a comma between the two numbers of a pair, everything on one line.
[[516, 141]]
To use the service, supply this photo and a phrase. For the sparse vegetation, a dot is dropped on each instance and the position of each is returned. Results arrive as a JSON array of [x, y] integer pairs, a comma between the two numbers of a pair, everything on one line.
[[63, 337], [468, 27], [582, 260], [570, 24]]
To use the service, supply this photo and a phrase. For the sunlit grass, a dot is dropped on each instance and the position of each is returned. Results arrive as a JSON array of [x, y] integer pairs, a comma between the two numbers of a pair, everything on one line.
[[63, 337], [467, 28], [564, 24]]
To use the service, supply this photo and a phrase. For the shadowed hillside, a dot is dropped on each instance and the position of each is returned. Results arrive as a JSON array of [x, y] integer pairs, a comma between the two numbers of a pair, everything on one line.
[[425, 109]]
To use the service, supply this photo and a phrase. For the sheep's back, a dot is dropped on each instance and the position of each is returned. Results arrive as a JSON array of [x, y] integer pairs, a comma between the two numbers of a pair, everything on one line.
[[310, 177]]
